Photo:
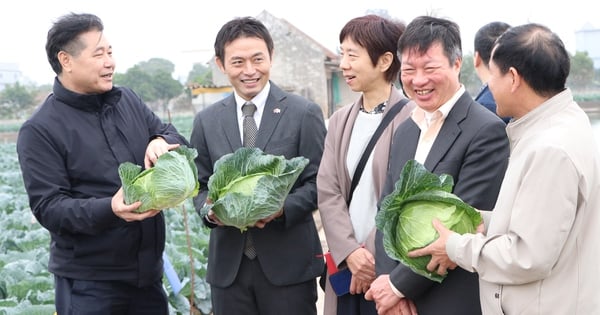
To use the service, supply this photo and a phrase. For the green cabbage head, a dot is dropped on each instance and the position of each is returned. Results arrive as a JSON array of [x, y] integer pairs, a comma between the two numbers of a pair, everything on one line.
[[249, 185], [172, 180], [406, 214]]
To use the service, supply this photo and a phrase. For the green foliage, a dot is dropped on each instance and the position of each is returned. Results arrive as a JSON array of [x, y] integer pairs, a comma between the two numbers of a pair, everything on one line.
[[157, 65], [582, 70], [139, 81], [189, 271], [249, 185], [172, 180], [15, 99], [166, 87], [152, 80], [200, 74], [468, 76], [183, 123]]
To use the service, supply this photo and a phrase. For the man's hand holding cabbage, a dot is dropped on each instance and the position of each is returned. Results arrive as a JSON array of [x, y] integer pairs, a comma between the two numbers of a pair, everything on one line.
[[169, 179], [406, 215], [248, 188]]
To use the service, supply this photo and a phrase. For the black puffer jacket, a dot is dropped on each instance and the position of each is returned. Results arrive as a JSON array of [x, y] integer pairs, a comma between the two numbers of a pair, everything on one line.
[[69, 152]]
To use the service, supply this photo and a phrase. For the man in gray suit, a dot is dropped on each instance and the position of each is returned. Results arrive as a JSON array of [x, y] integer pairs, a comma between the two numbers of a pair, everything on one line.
[[450, 134], [281, 277]]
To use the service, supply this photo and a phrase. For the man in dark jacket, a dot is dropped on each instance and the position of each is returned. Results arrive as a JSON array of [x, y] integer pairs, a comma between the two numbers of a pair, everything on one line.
[[272, 267], [450, 134], [106, 258]]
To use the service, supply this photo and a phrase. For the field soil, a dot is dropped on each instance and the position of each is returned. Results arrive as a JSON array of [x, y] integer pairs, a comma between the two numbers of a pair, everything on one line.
[[8, 137]]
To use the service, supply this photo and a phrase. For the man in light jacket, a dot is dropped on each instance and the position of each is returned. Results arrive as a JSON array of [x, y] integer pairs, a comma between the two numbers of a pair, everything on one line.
[[540, 252]]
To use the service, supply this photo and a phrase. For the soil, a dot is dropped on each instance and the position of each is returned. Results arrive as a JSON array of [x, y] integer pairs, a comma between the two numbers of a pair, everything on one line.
[[8, 137]]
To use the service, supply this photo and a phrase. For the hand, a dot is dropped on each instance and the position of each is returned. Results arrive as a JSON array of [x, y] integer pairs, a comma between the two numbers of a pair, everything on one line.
[[384, 297], [127, 212], [156, 148], [404, 307], [358, 286], [437, 250], [212, 218], [362, 265], [481, 228], [262, 222]]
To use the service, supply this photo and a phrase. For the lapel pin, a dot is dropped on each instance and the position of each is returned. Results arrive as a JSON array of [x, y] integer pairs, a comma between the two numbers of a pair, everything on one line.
[[276, 111]]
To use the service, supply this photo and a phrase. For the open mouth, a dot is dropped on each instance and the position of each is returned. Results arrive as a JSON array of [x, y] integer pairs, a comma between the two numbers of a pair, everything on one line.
[[423, 92]]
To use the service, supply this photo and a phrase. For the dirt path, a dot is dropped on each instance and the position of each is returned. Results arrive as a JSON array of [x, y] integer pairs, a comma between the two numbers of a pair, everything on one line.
[[8, 137]]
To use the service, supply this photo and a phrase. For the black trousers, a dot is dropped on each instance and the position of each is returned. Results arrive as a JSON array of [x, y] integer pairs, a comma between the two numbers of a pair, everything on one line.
[[82, 297], [252, 294], [355, 304]]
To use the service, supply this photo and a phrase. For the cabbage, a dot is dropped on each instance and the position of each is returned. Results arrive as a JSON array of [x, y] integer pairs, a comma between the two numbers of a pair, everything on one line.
[[172, 180], [249, 185], [406, 214]]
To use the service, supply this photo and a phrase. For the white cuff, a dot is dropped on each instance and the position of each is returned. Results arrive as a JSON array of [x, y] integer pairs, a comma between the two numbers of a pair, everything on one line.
[[396, 292]]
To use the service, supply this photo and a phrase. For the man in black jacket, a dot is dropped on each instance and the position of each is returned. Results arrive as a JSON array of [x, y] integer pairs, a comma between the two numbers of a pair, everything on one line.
[[106, 258]]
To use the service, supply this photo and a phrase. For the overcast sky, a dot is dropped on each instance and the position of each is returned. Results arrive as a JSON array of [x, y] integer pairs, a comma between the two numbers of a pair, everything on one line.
[[184, 31]]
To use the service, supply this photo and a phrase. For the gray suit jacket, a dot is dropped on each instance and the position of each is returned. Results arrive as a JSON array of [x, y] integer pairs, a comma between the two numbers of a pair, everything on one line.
[[288, 248], [473, 148]]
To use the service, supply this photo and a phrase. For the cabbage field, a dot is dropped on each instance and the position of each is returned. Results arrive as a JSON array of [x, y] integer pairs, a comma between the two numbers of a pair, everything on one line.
[[26, 287]]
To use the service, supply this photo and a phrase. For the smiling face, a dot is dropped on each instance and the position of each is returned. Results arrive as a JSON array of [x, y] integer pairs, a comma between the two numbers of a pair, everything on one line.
[[358, 69], [247, 64], [428, 78], [90, 68]]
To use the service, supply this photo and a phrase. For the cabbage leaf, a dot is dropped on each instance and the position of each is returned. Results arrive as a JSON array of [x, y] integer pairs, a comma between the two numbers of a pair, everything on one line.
[[172, 180], [406, 214], [249, 185]]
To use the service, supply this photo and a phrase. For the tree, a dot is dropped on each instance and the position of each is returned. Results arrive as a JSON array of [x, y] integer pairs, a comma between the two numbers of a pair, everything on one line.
[[582, 70], [156, 65], [139, 81], [152, 80], [15, 99], [165, 88], [200, 74]]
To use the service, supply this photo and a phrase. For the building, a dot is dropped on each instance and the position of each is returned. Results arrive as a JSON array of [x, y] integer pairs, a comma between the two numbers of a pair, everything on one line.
[[9, 74], [301, 65], [588, 39]]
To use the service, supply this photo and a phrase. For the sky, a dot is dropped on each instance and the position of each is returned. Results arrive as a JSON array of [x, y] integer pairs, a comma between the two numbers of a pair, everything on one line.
[[183, 31]]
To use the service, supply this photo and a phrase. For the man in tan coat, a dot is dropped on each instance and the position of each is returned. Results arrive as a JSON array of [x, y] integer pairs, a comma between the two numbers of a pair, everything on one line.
[[540, 252]]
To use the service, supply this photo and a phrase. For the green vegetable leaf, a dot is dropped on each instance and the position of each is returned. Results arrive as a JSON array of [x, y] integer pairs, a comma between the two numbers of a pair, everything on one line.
[[406, 214], [249, 185], [172, 180]]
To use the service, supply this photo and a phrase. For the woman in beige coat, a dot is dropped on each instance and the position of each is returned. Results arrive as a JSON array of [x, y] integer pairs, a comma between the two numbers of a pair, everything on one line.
[[370, 66]]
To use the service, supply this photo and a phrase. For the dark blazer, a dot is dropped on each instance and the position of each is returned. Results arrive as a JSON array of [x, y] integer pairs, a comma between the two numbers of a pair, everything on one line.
[[288, 248], [472, 146]]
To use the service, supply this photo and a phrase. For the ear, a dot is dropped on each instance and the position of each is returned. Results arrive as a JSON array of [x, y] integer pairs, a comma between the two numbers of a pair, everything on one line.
[[385, 61], [220, 64], [65, 60], [516, 79], [476, 59], [457, 64]]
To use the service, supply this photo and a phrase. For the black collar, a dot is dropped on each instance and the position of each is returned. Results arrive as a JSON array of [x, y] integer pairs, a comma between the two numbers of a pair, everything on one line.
[[377, 110]]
